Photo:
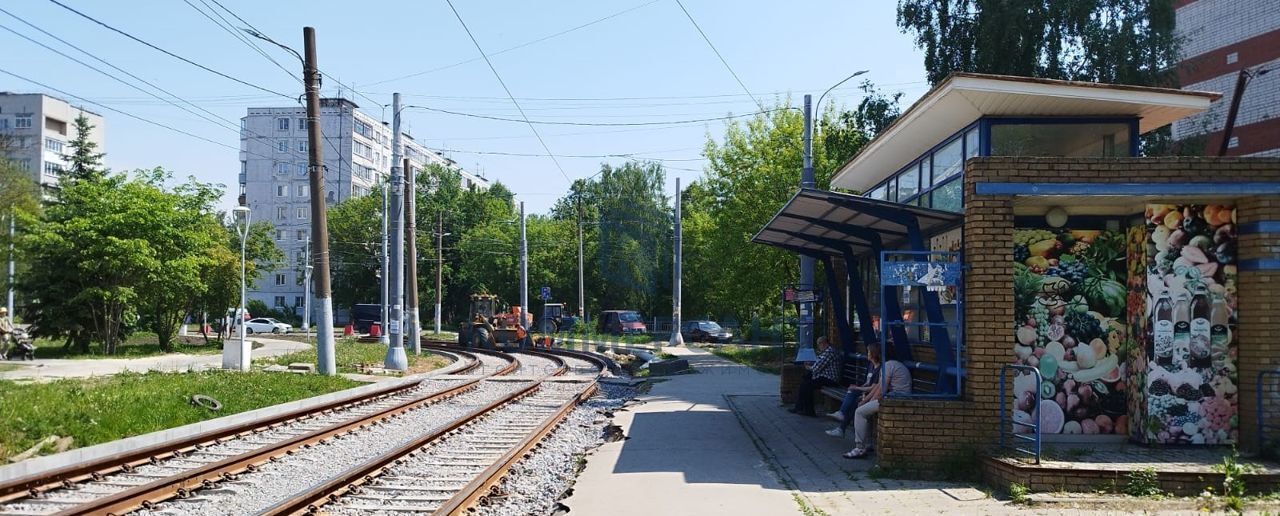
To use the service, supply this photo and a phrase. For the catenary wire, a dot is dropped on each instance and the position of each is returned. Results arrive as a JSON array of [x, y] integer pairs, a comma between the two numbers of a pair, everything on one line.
[[230, 28], [168, 53], [595, 124], [717, 52]]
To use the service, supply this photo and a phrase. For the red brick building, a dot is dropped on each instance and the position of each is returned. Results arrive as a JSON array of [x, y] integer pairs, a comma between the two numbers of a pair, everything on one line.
[[1221, 37]]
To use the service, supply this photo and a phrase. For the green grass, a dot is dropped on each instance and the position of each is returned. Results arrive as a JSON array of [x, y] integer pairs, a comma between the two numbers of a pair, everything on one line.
[[136, 346], [98, 410], [607, 338], [9, 367], [765, 359], [351, 354]]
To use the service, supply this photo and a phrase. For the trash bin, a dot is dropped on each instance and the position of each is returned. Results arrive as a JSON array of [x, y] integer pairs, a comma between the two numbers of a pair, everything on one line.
[[375, 330]]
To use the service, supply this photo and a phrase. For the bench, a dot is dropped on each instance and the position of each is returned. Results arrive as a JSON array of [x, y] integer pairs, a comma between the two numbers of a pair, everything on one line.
[[924, 377]]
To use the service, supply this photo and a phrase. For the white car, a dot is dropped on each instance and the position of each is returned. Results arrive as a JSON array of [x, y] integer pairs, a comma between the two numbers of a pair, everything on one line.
[[266, 325]]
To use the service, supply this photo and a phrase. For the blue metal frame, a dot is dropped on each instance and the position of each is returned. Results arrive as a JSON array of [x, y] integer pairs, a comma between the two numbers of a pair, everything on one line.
[[1260, 264], [947, 350], [1007, 421], [1116, 189], [1260, 226]]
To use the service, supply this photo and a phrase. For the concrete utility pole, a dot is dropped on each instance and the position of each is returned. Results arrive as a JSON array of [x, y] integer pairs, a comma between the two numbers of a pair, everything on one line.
[[804, 330], [411, 243], [386, 266], [582, 298], [306, 293], [439, 266], [524, 269], [677, 269], [396, 358], [325, 360], [13, 233]]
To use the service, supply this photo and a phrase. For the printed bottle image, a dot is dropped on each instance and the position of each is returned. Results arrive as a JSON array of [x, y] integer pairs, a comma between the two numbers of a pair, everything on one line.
[[1163, 330], [1182, 330], [1219, 332], [1200, 327]]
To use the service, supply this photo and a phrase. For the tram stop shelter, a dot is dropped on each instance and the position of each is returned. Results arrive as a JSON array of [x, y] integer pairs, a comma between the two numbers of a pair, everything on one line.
[[1049, 286]]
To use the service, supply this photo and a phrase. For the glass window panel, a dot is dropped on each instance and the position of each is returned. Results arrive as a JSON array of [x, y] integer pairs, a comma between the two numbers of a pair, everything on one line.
[[926, 172], [947, 197], [877, 193], [891, 187], [909, 182], [947, 161], [1065, 140], [971, 146]]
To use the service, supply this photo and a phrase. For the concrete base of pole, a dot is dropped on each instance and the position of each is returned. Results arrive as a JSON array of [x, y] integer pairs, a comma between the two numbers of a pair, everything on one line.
[[437, 318], [397, 359], [326, 359], [676, 339], [415, 332]]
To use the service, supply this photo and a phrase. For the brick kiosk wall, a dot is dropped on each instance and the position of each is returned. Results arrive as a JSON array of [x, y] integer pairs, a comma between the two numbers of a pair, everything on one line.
[[921, 434]]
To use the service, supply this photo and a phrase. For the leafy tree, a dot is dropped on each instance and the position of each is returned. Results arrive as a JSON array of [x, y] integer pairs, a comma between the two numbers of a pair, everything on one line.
[[1114, 41], [19, 195], [846, 134], [355, 250], [86, 162]]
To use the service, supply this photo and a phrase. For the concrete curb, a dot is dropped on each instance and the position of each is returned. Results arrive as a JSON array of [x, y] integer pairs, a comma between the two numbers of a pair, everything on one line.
[[45, 463]]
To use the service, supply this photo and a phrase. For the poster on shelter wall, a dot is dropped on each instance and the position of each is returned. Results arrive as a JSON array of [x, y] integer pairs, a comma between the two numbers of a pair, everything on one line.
[[1069, 313], [1138, 325], [950, 242], [1190, 386]]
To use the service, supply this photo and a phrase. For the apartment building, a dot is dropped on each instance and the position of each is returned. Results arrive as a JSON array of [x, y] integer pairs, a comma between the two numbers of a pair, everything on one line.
[[1220, 38], [35, 129], [274, 181]]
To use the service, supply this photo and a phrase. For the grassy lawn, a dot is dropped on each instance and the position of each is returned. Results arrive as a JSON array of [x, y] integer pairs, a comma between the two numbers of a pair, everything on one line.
[[9, 367], [766, 360], [607, 338], [98, 410], [138, 345], [351, 354]]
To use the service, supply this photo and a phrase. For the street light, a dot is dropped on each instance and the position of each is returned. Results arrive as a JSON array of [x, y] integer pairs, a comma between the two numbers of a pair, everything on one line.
[[816, 107], [238, 357], [439, 267]]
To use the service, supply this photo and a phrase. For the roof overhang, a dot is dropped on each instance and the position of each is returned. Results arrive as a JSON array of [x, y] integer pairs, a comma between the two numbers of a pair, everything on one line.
[[819, 222], [963, 98]]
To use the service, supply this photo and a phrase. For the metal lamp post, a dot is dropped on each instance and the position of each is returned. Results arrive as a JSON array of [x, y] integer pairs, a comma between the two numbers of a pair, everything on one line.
[[237, 356]]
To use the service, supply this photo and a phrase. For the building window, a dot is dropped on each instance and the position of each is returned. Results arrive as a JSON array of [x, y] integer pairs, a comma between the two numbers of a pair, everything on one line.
[[302, 235], [282, 168], [302, 213], [363, 150], [302, 146], [297, 301], [279, 234], [302, 124], [302, 190], [1070, 140], [364, 130], [282, 212], [52, 169], [947, 197], [282, 124], [53, 145], [282, 191], [948, 161], [4, 123], [25, 164], [244, 167], [22, 122], [302, 257], [280, 299], [302, 170], [359, 191], [279, 279], [909, 183], [282, 145], [330, 197]]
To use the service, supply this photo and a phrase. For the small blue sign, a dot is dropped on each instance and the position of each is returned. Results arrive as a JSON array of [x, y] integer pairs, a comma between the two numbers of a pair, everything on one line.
[[546, 293]]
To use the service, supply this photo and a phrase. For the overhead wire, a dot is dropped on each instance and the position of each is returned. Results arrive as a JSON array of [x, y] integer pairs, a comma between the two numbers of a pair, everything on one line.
[[229, 28], [508, 90], [168, 53], [717, 52], [531, 123]]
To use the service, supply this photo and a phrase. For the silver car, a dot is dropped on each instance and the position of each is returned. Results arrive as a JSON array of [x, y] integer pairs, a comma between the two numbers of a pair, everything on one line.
[[266, 325]]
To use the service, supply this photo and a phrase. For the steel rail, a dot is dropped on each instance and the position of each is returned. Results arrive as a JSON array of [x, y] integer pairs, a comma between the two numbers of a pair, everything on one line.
[[310, 501], [183, 483], [487, 482], [36, 484]]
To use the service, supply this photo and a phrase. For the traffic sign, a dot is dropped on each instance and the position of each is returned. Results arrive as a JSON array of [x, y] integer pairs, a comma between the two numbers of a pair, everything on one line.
[[546, 293]]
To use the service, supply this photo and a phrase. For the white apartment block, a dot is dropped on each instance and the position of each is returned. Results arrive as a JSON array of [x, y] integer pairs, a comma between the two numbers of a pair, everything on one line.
[[35, 129], [274, 183]]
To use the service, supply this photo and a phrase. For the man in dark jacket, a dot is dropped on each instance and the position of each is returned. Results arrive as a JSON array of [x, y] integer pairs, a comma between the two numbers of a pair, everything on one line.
[[823, 373]]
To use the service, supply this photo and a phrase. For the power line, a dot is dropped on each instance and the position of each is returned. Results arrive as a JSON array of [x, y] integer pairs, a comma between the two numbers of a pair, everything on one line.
[[516, 47], [722, 60], [621, 155], [508, 90], [594, 124], [229, 28], [168, 53]]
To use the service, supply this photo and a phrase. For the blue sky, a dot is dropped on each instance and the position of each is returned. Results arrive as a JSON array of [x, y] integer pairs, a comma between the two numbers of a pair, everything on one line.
[[645, 63]]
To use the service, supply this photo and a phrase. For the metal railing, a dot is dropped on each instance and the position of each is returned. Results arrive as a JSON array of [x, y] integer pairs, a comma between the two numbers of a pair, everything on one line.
[[1263, 425], [1008, 430]]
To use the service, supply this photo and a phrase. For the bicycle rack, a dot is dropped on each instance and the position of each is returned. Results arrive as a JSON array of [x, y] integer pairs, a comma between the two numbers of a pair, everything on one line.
[[1262, 414], [1006, 418]]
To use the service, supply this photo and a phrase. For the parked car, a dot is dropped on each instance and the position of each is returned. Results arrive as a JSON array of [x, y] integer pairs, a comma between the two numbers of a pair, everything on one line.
[[704, 331], [266, 325], [621, 322]]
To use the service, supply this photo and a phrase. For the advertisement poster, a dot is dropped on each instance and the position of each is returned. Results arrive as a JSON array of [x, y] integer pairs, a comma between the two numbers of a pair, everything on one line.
[[1069, 313], [1191, 310], [949, 241], [1138, 334]]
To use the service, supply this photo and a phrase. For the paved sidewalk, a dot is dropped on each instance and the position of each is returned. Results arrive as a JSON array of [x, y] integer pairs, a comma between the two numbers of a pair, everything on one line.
[[718, 442], [52, 369]]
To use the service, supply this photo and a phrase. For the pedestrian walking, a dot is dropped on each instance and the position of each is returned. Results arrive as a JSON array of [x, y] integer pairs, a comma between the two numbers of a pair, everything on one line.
[[6, 333]]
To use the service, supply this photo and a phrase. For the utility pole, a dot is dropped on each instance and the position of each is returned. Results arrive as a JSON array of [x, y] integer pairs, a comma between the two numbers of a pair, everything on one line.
[[677, 270], [386, 266], [804, 328], [582, 298], [306, 293], [524, 269], [411, 243], [396, 358], [439, 266], [13, 233], [325, 361]]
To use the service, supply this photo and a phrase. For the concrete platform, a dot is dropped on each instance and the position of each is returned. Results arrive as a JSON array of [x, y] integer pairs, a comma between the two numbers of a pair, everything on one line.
[[718, 442]]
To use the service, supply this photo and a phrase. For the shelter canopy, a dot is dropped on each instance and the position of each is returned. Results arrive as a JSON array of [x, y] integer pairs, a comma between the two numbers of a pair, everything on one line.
[[831, 223]]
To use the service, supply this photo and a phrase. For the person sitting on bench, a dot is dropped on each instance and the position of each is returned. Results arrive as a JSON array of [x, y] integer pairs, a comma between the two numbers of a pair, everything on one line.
[[898, 380], [823, 373], [855, 394]]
